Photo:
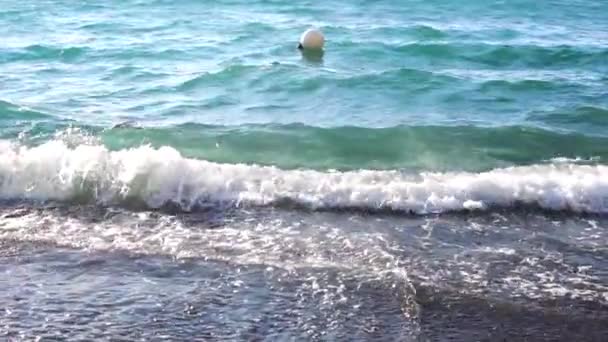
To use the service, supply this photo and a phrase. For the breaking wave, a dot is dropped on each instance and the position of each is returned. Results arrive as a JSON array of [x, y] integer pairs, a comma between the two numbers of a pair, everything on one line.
[[157, 177]]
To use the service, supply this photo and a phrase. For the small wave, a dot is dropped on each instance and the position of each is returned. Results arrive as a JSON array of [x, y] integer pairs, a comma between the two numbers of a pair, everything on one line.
[[218, 78], [592, 115], [397, 79], [519, 86], [401, 77], [489, 54], [12, 111], [537, 56], [43, 52], [420, 31], [160, 177], [427, 32]]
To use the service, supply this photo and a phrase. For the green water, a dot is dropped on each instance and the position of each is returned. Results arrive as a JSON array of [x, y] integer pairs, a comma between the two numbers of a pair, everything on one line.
[[179, 170], [415, 85]]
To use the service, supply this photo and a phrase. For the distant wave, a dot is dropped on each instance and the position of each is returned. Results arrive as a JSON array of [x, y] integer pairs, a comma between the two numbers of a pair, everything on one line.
[[271, 79], [495, 55], [159, 177], [591, 115], [419, 31], [43, 52], [12, 111], [483, 53], [217, 78]]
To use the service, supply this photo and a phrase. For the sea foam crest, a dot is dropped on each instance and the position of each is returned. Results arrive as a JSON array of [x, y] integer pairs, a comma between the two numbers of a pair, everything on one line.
[[155, 177]]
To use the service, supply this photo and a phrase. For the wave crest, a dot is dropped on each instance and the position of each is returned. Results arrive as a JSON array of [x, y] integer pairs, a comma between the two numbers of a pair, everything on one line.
[[158, 177]]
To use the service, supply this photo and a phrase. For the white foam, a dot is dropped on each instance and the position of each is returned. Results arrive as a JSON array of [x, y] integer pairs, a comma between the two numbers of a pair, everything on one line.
[[357, 248], [56, 171]]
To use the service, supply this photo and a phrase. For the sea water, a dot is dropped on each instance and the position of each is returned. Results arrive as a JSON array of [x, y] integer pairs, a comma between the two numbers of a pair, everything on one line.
[[180, 170]]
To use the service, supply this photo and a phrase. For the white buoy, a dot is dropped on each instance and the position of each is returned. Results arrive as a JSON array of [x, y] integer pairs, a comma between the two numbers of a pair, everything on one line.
[[311, 39]]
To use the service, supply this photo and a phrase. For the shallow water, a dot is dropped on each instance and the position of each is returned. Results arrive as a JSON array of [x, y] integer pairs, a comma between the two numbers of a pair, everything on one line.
[[88, 272], [181, 171]]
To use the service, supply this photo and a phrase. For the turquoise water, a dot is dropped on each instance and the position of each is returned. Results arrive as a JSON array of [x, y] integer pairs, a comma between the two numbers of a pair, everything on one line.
[[179, 169], [528, 79]]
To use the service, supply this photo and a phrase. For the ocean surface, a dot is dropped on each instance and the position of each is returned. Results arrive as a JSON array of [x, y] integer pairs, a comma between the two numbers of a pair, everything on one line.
[[178, 170]]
